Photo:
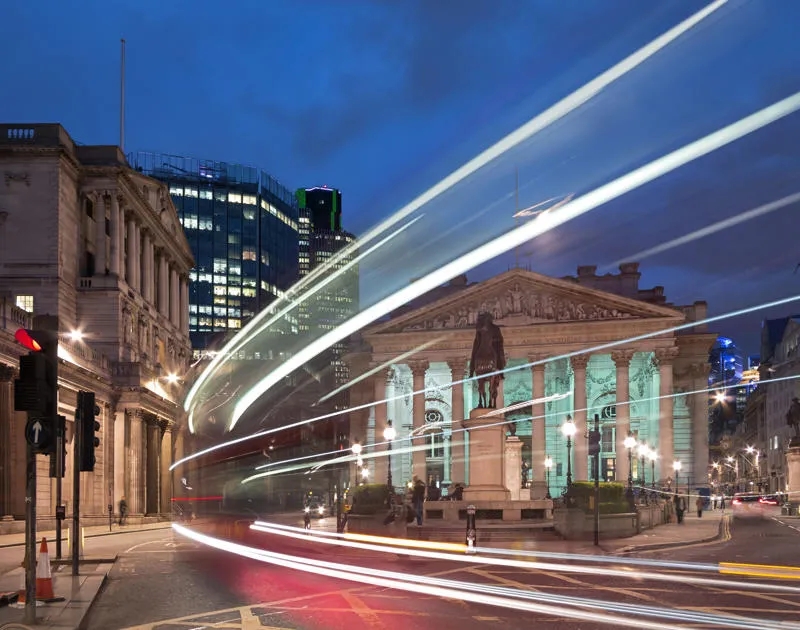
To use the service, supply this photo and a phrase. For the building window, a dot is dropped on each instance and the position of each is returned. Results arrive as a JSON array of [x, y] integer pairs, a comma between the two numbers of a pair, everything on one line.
[[89, 209], [25, 302]]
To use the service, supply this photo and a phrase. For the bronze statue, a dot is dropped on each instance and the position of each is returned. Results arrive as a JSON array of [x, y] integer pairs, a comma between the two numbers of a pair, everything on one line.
[[793, 418], [488, 356]]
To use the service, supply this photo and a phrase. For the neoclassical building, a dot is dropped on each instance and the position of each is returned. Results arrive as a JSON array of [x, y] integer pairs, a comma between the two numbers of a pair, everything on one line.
[[543, 320], [86, 238]]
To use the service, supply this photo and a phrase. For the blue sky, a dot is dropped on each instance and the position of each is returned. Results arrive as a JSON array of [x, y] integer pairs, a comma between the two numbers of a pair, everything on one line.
[[382, 99]]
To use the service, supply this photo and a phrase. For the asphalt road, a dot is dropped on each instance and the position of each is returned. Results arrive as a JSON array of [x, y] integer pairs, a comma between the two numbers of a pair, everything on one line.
[[170, 582]]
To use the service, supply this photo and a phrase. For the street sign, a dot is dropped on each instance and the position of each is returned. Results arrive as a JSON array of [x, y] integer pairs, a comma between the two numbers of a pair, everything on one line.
[[61, 512], [37, 433]]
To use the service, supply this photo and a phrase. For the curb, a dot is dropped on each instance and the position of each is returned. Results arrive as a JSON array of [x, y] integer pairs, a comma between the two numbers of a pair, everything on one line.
[[684, 543], [82, 623], [100, 535]]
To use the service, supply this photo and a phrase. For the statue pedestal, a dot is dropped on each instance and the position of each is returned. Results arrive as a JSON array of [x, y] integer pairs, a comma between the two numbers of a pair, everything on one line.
[[486, 457], [793, 471], [513, 466]]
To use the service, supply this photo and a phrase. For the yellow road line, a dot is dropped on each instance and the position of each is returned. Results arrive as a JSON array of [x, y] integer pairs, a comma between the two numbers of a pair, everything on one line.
[[760, 570]]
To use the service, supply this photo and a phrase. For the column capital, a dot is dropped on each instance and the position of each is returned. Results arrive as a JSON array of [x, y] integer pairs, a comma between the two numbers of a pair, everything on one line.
[[579, 361], [382, 373], [457, 365], [418, 366], [665, 356], [535, 358], [622, 358]]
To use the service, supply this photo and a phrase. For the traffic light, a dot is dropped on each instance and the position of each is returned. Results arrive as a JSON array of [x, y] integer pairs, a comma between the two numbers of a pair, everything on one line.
[[594, 437], [87, 426], [58, 465], [36, 389]]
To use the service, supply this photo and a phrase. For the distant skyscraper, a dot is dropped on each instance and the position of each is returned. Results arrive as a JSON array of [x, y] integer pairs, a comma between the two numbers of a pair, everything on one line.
[[727, 364], [320, 238], [243, 228]]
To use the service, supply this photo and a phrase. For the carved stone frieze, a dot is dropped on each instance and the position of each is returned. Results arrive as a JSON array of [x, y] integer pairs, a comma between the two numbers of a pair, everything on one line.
[[664, 356]]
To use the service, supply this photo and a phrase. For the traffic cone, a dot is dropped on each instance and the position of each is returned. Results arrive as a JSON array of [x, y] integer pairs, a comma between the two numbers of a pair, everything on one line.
[[44, 577]]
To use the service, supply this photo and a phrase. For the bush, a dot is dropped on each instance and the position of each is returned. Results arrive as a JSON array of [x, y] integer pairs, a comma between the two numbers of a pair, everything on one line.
[[371, 498], [615, 507], [612, 497]]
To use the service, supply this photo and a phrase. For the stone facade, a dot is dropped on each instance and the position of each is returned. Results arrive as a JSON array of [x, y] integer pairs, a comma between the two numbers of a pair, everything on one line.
[[86, 238], [636, 387]]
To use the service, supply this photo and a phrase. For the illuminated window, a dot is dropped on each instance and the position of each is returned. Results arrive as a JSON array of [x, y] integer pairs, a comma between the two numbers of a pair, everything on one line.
[[220, 299], [249, 253], [205, 194], [249, 292], [236, 291], [25, 302], [220, 264], [249, 199], [220, 195], [233, 239], [249, 215], [174, 190], [220, 290], [191, 192], [234, 323], [220, 310], [234, 198]]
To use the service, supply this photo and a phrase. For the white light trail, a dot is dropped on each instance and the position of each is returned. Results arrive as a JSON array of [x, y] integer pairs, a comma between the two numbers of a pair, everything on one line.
[[542, 224], [409, 583], [250, 330], [523, 133], [713, 228]]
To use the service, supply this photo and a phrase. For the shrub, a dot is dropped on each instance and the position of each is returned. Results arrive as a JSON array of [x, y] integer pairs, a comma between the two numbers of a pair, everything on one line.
[[612, 497]]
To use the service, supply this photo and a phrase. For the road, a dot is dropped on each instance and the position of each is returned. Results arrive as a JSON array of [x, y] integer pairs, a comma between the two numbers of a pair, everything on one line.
[[170, 582]]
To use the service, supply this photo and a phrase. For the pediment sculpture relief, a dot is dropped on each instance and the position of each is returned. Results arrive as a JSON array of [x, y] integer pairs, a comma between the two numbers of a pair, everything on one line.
[[520, 305]]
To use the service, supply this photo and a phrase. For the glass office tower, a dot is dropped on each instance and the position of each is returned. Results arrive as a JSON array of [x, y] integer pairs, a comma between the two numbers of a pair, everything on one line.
[[242, 226]]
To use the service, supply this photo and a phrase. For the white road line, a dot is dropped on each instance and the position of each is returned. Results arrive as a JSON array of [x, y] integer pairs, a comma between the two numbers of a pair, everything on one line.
[[149, 542]]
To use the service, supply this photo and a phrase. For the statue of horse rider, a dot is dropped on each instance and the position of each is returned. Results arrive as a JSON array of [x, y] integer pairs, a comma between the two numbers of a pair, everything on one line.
[[488, 355]]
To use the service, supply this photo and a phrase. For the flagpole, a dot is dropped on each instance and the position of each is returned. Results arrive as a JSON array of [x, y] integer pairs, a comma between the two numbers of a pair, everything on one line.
[[516, 212], [122, 98]]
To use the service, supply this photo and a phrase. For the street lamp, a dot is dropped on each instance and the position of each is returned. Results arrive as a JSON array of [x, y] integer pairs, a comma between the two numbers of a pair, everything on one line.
[[676, 466], [389, 434], [644, 452], [629, 443], [569, 429], [653, 457], [548, 464]]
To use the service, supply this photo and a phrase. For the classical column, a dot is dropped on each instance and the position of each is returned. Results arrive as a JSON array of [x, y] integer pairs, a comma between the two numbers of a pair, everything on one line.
[[699, 373], [137, 257], [147, 264], [381, 467], [136, 464], [116, 236], [163, 284], [130, 264], [100, 262], [153, 472], [538, 434], [419, 466], [174, 297], [622, 359], [166, 475], [666, 403], [581, 456], [184, 284], [120, 461], [458, 368]]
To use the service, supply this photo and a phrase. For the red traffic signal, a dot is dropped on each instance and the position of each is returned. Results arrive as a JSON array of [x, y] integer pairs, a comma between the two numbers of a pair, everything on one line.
[[25, 337]]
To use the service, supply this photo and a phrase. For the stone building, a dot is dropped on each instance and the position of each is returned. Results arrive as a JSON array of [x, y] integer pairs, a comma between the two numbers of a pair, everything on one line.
[[541, 318], [86, 238]]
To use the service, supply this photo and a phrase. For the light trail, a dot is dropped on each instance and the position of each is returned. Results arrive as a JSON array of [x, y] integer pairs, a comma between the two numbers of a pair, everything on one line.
[[248, 332], [525, 232], [301, 534], [408, 582], [712, 229], [541, 121]]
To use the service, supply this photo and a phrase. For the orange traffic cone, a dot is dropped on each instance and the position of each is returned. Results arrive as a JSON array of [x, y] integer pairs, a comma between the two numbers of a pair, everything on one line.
[[44, 577]]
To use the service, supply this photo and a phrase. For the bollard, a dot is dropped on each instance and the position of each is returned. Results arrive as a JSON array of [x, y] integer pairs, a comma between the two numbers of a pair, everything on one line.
[[83, 541], [472, 533]]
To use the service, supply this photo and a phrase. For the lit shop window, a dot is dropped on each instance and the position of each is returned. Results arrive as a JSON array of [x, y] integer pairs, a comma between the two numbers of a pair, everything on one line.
[[25, 302]]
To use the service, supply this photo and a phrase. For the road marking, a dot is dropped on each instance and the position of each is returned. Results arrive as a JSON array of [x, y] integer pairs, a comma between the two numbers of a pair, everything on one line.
[[366, 614], [760, 570], [149, 542]]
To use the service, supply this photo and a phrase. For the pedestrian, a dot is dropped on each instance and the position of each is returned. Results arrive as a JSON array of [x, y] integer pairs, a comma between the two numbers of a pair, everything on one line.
[[680, 507], [699, 504], [123, 511], [418, 499], [723, 502]]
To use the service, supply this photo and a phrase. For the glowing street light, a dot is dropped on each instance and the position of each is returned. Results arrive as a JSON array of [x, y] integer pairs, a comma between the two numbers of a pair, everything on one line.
[[569, 429], [76, 335], [653, 457], [719, 397], [389, 434], [172, 378], [548, 464], [676, 466], [356, 448]]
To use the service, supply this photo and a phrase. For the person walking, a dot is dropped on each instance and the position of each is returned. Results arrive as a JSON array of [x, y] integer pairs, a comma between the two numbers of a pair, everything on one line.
[[680, 508], [418, 499], [699, 505], [123, 511]]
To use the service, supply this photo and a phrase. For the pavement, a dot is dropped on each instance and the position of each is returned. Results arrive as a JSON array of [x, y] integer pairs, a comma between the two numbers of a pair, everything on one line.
[[18, 540], [162, 581]]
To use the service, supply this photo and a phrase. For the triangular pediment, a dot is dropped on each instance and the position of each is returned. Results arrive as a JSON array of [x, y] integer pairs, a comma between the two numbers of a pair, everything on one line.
[[522, 298]]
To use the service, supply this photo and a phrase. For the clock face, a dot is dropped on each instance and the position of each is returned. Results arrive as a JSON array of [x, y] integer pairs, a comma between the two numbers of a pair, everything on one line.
[[433, 415]]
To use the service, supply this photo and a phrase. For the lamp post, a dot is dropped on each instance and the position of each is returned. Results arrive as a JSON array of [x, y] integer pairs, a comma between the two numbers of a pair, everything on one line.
[[569, 429], [629, 443], [676, 466], [653, 457], [389, 434], [548, 464], [644, 452]]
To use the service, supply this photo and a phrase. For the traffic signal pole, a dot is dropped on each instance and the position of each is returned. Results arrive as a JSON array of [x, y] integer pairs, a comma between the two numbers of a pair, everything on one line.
[[30, 537], [76, 489]]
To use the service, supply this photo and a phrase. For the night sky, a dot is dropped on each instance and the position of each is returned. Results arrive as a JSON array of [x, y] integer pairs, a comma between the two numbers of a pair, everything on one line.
[[382, 99]]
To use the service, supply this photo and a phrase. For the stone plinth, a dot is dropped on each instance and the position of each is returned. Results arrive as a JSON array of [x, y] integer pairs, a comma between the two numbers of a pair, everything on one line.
[[538, 489], [793, 471], [486, 457], [513, 466]]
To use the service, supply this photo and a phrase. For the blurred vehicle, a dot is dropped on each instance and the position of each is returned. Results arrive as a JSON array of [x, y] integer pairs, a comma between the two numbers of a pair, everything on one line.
[[317, 510], [746, 505], [770, 499]]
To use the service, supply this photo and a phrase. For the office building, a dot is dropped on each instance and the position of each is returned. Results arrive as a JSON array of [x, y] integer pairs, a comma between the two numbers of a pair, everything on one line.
[[242, 226]]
